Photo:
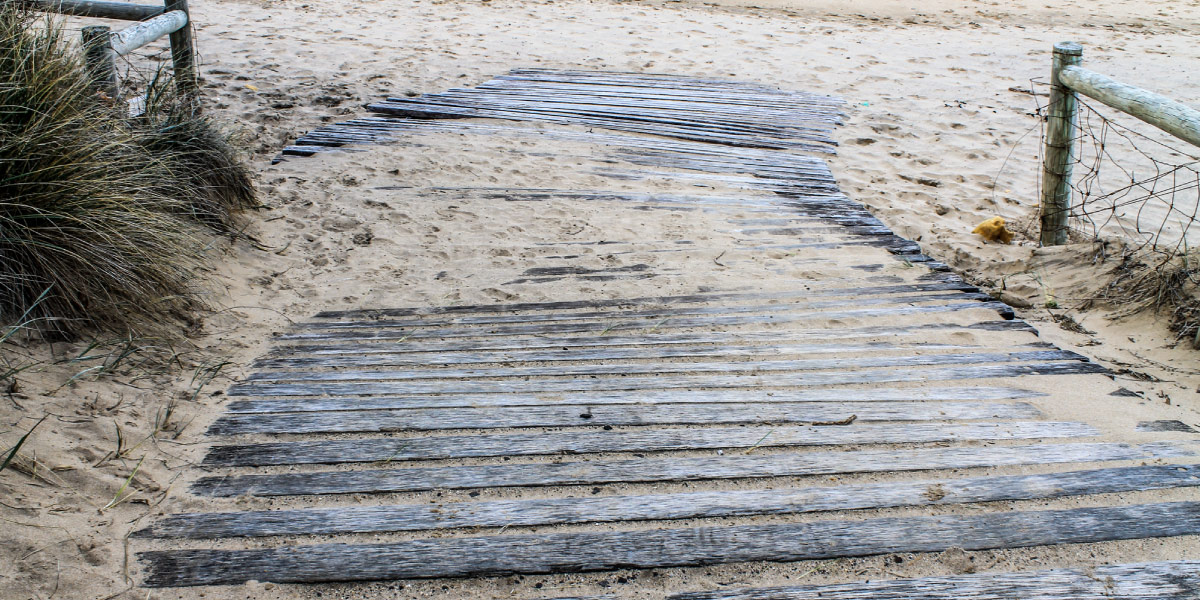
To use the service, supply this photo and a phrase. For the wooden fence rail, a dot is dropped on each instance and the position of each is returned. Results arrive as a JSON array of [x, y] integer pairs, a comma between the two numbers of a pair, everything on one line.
[[102, 46], [1066, 79]]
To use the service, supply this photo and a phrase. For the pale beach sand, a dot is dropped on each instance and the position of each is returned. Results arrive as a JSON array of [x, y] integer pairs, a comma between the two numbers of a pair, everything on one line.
[[936, 141]]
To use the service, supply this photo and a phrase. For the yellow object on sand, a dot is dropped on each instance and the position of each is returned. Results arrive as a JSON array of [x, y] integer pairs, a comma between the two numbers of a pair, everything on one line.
[[993, 230]]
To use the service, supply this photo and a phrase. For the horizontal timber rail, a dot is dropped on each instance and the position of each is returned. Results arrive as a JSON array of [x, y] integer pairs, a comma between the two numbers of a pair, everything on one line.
[[102, 46], [100, 9], [1066, 79]]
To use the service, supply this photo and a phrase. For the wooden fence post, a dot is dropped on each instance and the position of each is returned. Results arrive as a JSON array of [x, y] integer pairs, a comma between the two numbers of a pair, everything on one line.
[[1059, 155], [100, 59], [183, 56]]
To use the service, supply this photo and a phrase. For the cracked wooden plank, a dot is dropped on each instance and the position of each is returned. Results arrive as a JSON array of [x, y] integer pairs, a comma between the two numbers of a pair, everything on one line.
[[864, 296], [733, 465], [630, 368], [602, 551], [775, 379], [400, 358], [922, 394], [822, 335], [648, 507], [603, 327], [648, 440], [1178, 580], [593, 416]]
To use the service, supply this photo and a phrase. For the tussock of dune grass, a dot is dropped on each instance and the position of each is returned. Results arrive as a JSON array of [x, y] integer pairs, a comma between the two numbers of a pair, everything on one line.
[[100, 217], [200, 155]]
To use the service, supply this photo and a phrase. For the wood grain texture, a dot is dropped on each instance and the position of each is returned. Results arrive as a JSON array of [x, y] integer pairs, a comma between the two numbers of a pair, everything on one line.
[[645, 338], [921, 394], [399, 358], [513, 513], [589, 384], [641, 324], [602, 551], [647, 440], [592, 416], [624, 369], [1173, 580], [865, 296], [733, 465]]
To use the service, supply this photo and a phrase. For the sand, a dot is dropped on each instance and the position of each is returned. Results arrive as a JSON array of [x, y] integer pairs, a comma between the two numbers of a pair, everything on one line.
[[936, 142]]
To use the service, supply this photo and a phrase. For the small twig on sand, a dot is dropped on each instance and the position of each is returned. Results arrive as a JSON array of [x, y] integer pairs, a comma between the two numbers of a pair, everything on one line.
[[848, 420]]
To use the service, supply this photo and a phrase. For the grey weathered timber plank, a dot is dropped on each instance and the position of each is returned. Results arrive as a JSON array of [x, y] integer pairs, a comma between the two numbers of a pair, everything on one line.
[[1170, 580], [624, 369], [751, 94], [662, 382], [700, 122], [650, 313], [605, 98], [917, 292], [640, 440], [644, 397], [1165, 425], [601, 551], [737, 465], [666, 323], [433, 111], [526, 307], [592, 416], [399, 358], [822, 335], [506, 513], [686, 87]]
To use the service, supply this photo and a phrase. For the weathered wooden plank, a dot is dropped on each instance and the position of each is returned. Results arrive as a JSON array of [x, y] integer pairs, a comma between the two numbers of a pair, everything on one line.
[[600, 551], [733, 465], [399, 358], [638, 368], [871, 296], [699, 134], [667, 323], [103, 9], [644, 397], [1172, 580], [592, 416], [714, 116], [615, 99], [514, 513], [821, 335], [919, 292], [1165, 425], [701, 123], [525, 307], [662, 382], [638, 440]]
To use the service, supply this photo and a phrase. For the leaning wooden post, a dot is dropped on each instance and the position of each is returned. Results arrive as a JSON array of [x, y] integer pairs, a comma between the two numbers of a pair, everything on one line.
[[1060, 148], [183, 56], [100, 59]]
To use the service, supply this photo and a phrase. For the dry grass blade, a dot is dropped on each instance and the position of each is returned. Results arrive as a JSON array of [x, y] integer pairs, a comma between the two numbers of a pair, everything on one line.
[[21, 442], [117, 499]]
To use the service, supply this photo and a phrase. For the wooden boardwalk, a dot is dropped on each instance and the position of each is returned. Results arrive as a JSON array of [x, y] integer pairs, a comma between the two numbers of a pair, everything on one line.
[[915, 409]]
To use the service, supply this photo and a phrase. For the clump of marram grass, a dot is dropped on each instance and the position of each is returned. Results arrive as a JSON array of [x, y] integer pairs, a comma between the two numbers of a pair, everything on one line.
[[201, 156], [95, 212], [1158, 281]]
